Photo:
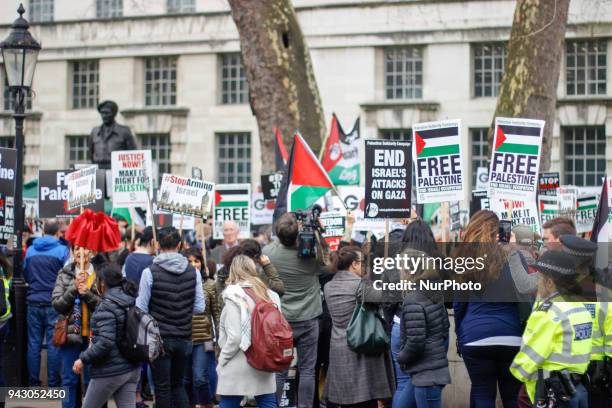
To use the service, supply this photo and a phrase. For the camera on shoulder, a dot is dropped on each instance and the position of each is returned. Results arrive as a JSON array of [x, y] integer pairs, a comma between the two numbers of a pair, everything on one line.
[[309, 231]]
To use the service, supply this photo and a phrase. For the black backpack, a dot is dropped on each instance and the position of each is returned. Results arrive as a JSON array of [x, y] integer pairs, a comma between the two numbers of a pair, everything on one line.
[[141, 341]]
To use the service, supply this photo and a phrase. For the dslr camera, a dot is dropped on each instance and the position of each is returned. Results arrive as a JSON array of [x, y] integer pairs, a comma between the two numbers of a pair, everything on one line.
[[310, 231]]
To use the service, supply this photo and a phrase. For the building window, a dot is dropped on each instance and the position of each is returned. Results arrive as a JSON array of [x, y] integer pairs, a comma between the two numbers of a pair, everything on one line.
[[9, 98], [160, 147], [160, 81], [489, 64], [7, 142], [480, 150], [234, 157], [78, 150], [233, 81], [181, 6], [395, 134], [585, 67], [85, 84], [585, 155], [404, 73], [40, 11], [109, 8]]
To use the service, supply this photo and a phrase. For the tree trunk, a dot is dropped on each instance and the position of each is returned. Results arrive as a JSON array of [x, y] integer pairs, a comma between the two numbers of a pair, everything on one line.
[[529, 86], [282, 85]]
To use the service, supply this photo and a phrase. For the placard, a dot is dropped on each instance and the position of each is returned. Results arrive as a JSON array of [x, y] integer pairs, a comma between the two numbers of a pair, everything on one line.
[[182, 195], [480, 201], [525, 213], [53, 194], [388, 178], [454, 210], [7, 229], [8, 170], [586, 210], [2, 209], [132, 178], [271, 184], [262, 210], [81, 187], [232, 203], [515, 162], [482, 178], [548, 183], [436, 153], [549, 208], [334, 223]]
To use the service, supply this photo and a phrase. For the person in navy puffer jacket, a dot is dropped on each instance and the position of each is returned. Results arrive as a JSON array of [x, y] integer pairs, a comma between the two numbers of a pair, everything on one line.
[[44, 259]]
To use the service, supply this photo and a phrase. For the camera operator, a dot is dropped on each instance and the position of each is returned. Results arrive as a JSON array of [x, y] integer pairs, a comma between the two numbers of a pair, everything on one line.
[[301, 303]]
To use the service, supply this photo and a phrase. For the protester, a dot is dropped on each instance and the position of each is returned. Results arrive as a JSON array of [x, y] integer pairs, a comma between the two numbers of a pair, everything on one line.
[[203, 334], [557, 338], [417, 237], [171, 291], [142, 257], [112, 375], [553, 229], [488, 324], [236, 377], [44, 259], [6, 276], [75, 297], [301, 303], [230, 239], [424, 344], [353, 378]]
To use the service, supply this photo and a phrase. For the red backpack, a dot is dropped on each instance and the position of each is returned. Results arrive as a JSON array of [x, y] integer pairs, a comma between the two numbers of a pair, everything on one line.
[[271, 337]]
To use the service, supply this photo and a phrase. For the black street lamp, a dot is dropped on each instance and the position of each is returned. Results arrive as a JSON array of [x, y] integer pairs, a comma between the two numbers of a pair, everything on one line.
[[20, 52]]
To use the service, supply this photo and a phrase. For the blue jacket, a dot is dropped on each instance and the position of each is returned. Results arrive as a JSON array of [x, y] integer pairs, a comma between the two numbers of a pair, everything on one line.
[[44, 259]]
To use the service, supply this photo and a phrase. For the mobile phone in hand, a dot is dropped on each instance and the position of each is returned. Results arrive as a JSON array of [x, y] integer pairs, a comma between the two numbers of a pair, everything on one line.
[[505, 230]]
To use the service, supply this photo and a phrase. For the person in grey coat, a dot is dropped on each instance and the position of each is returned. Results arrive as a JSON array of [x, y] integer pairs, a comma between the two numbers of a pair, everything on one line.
[[112, 375], [352, 378], [424, 329]]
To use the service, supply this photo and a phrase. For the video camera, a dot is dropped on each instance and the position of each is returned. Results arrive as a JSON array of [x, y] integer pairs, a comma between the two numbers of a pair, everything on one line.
[[309, 225]]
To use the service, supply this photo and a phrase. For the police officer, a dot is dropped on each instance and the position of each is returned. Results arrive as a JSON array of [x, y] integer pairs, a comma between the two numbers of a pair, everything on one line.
[[556, 346], [584, 252]]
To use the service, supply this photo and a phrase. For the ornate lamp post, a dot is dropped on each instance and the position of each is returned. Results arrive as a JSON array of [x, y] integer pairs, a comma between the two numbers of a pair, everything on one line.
[[20, 53]]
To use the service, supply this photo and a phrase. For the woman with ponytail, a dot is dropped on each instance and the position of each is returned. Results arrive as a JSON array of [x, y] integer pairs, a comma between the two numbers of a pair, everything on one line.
[[236, 377], [112, 375]]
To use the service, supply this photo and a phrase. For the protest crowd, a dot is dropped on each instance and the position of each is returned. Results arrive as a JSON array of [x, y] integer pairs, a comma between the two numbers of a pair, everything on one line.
[[292, 314]]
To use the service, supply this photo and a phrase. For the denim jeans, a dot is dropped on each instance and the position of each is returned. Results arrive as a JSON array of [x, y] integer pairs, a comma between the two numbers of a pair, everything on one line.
[[69, 354], [169, 373], [488, 368], [402, 379], [197, 381], [212, 372], [579, 400], [305, 339], [263, 401], [41, 322]]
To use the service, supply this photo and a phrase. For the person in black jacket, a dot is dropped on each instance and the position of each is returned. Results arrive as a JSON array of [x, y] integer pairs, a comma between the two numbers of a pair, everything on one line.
[[424, 329], [112, 375]]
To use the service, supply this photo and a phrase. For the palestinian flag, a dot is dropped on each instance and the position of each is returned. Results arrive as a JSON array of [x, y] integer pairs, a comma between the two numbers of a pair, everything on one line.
[[601, 226], [341, 154], [232, 197], [518, 139], [304, 180], [586, 202], [437, 142], [280, 153], [549, 205]]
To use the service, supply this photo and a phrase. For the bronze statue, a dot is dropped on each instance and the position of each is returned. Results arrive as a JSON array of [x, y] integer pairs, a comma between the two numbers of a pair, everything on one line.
[[108, 137]]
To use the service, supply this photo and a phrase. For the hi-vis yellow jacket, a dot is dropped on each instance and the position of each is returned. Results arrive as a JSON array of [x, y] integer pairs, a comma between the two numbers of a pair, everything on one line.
[[7, 283], [557, 337], [598, 311]]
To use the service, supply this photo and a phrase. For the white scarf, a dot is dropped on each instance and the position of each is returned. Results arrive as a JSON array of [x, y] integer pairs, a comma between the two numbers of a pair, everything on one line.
[[236, 294]]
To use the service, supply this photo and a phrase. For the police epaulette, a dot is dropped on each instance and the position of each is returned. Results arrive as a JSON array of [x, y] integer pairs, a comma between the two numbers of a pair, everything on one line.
[[545, 306]]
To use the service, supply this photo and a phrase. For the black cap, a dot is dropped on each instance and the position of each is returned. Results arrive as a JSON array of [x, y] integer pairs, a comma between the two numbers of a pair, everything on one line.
[[556, 263], [578, 247], [111, 104]]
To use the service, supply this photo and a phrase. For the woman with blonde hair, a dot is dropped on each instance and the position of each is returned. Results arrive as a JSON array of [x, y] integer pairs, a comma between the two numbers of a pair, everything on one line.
[[236, 377], [488, 323]]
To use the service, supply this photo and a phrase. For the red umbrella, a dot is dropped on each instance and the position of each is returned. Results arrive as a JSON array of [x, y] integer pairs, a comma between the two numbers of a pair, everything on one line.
[[95, 231]]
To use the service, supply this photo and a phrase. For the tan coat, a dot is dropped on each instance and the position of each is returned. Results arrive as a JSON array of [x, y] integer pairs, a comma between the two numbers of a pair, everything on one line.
[[202, 327]]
